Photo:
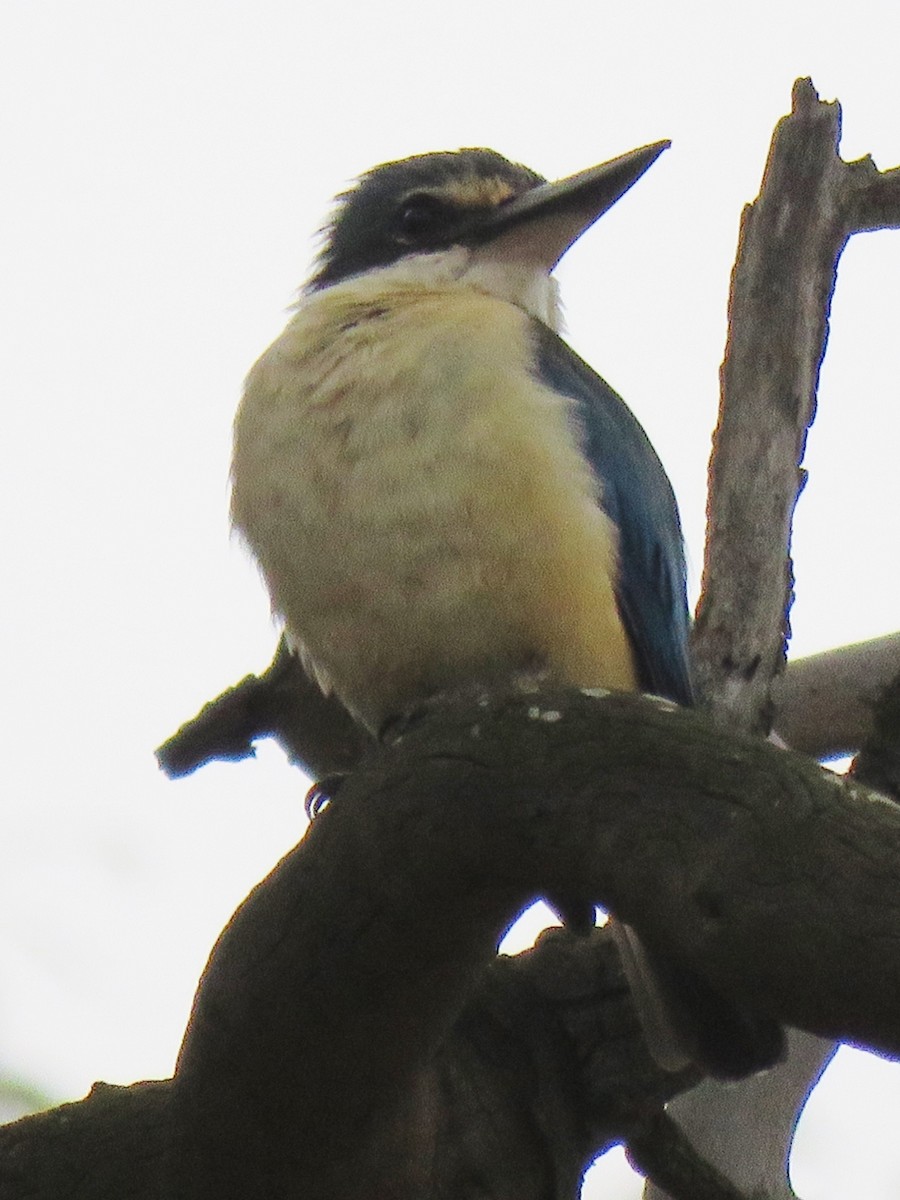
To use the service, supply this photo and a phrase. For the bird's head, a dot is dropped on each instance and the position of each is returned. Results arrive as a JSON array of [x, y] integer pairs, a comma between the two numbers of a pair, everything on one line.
[[500, 212]]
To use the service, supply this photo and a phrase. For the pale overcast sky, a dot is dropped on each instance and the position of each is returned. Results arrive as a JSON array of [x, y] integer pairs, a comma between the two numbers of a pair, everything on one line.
[[166, 165]]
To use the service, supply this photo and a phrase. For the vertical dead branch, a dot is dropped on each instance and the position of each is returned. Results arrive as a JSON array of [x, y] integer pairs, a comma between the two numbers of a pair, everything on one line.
[[790, 241]]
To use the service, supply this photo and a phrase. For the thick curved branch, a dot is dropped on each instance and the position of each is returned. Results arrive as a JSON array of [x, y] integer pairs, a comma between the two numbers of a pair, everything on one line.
[[109, 1146], [774, 880], [548, 1044], [333, 993]]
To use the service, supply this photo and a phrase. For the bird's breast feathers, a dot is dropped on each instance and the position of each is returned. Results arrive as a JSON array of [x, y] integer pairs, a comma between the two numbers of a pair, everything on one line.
[[417, 499]]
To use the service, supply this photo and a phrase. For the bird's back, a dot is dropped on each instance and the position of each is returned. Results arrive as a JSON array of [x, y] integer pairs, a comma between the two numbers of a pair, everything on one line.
[[637, 496]]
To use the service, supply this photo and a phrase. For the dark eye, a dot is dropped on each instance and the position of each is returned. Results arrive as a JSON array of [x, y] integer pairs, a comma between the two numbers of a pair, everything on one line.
[[419, 218]]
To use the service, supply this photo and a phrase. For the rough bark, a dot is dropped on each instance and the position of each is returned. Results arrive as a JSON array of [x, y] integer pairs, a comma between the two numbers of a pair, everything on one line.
[[315, 731], [311, 1065], [790, 241], [825, 704], [544, 1061]]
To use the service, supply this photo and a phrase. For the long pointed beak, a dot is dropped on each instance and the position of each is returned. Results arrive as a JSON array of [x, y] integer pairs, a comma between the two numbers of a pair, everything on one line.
[[540, 225]]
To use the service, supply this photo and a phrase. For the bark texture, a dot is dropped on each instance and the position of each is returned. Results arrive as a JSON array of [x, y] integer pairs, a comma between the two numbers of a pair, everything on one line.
[[345, 1024], [791, 239]]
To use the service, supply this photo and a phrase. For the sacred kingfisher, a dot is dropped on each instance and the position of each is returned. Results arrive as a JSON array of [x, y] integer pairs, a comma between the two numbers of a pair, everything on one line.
[[440, 492]]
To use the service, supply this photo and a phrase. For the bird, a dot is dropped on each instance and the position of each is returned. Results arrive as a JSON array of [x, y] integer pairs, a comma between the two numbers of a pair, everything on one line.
[[440, 492]]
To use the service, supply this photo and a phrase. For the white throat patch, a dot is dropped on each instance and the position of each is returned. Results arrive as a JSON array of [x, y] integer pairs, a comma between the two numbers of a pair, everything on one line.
[[513, 279]]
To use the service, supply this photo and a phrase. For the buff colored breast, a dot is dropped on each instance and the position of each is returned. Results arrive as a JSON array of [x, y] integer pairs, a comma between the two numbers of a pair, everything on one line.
[[417, 502]]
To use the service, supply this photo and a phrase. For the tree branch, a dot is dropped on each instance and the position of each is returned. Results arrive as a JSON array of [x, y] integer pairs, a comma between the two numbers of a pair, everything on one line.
[[314, 730], [790, 241], [776, 860], [825, 705], [873, 200], [544, 1066], [344, 978]]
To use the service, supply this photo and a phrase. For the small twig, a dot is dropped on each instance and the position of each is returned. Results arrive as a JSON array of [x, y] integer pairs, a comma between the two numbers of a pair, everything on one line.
[[315, 731]]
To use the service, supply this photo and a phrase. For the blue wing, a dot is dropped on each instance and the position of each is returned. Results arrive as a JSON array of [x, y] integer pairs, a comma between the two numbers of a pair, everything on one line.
[[637, 496]]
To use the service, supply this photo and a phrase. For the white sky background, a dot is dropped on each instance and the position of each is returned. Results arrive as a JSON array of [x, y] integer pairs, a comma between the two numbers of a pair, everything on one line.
[[165, 166]]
